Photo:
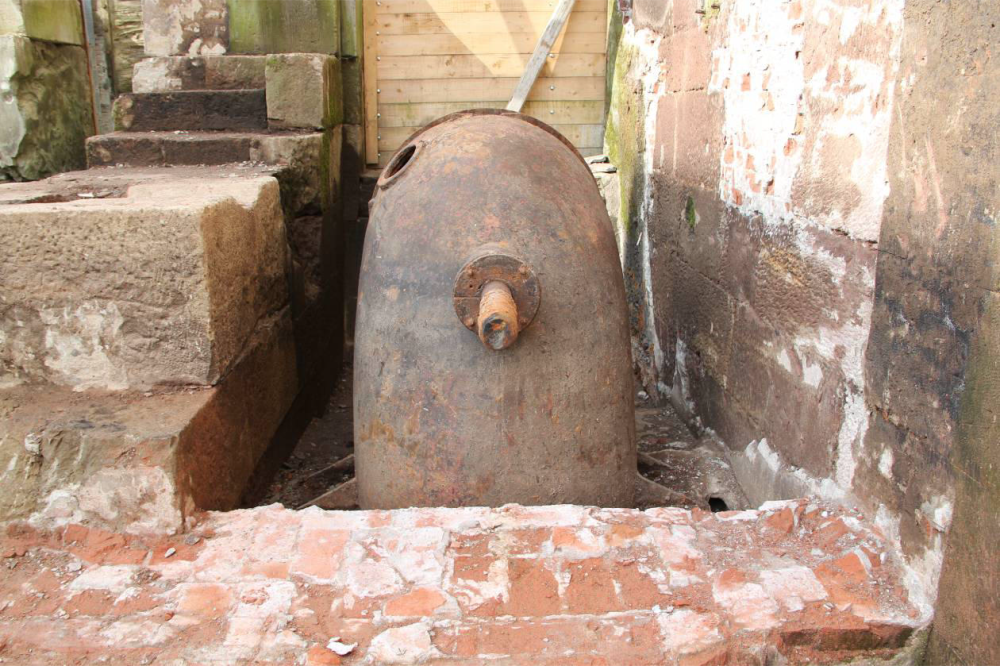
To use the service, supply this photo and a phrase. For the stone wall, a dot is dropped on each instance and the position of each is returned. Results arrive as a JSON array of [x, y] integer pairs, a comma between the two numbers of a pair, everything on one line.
[[45, 100], [807, 272], [934, 347]]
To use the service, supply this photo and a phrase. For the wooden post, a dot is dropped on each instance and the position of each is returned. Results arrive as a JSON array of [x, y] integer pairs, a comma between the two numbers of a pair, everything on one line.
[[370, 65], [545, 42]]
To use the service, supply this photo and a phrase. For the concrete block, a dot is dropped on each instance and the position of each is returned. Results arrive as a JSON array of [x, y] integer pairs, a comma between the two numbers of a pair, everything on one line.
[[191, 110], [303, 91], [45, 113], [142, 463], [161, 281], [284, 26], [167, 73], [185, 27], [48, 20]]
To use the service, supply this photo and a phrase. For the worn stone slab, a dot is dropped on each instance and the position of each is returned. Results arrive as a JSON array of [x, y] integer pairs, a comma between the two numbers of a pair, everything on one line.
[[303, 91], [167, 73], [191, 110], [142, 462], [137, 279], [792, 583], [185, 27]]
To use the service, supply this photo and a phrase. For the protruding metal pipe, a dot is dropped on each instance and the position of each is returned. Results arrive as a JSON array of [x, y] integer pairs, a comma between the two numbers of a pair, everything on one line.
[[497, 324]]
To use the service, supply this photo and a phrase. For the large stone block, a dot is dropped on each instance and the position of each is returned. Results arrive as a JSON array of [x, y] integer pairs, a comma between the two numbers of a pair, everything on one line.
[[161, 282], [166, 73], [142, 463], [191, 110], [45, 111], [303, 91], [185, 27], [49, 20], [284, 26]]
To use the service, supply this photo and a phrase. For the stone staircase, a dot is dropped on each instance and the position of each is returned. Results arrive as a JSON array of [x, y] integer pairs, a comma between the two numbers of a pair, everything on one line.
[[167, 313]]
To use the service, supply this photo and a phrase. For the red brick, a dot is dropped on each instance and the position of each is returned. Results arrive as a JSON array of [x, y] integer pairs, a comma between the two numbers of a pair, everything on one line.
[[320, 656], [782, 521], [208, 600], [419, 603], [591, 587], [533, 589]]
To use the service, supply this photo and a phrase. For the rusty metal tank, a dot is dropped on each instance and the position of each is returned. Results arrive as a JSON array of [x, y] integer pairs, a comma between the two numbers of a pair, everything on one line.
[[492, 360]]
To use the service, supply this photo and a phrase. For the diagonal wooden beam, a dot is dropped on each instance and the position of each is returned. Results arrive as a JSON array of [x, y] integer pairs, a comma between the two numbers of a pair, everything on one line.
[[542, 48]]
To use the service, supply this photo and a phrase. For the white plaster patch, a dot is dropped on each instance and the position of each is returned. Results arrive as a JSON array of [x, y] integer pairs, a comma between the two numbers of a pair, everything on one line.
[[78, 342], [685, 631], [410, 644], [154, 75], [769, 104], [920, 573], [885, 461], [113, 578]]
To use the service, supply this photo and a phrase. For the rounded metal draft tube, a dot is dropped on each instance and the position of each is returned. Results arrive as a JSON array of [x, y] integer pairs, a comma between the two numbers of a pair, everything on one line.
[[492, 356]]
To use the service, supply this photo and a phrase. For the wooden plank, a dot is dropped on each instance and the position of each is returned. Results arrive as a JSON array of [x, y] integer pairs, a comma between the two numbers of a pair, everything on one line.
[[480, 43], [488, 90], [581, 136], [450, 6], [556, 112], [486, 65], [473, 22], [370, 83], [541, 52]]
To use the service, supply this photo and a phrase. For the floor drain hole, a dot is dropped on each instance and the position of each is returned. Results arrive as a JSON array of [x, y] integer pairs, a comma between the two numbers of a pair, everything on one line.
[[717, 504]]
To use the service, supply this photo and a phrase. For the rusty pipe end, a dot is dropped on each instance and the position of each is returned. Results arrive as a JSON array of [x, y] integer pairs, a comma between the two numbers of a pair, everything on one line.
[[497, 324]]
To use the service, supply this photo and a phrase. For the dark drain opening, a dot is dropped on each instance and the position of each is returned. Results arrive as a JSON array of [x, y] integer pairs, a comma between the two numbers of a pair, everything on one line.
[[717, 504]]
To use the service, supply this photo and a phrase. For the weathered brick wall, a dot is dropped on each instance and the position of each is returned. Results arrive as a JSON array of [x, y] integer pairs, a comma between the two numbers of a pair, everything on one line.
[[803, 249]]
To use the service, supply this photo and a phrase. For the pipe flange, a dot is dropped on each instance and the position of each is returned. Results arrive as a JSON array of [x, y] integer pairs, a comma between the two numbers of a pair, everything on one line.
[[511, 271]]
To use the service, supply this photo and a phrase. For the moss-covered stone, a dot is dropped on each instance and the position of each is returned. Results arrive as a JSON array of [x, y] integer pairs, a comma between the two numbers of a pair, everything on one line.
[[624, 135], [284, 26], [303, 90], [50, 20], [46, 117]]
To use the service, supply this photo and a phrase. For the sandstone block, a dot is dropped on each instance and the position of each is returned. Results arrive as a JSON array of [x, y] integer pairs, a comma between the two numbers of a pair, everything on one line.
[[303, 90], [49, 20], [162, 282], [45, 115], [285, 26], [191, 110], [185, 27], [166, 73], [141, 463]]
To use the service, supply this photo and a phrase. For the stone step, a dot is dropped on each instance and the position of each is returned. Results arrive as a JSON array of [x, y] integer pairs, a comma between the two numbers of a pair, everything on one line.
[[142, 461], [138, 149], [192, 110], [124, 279], [172, 73]]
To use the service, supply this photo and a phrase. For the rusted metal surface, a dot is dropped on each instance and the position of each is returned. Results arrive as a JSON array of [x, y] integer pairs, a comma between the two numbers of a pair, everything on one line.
[[441, 419], [497, 326], [492, 266]]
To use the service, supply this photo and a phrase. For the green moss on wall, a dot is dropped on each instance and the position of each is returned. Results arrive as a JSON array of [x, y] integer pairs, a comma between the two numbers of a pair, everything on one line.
[[53, 20], [624, 134], [284, 26], [690, 214]]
